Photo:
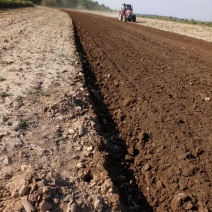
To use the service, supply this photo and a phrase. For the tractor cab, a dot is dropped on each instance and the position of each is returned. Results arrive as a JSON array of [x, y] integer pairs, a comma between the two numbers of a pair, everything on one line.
[[126, 13], [127, 7]]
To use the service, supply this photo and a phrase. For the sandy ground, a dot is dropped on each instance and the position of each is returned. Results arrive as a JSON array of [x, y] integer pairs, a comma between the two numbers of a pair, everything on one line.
[[48, 140], [32, 54], [195, 31]]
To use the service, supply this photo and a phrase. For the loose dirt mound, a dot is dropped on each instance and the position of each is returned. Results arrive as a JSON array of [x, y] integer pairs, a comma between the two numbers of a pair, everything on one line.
[[154, 101]]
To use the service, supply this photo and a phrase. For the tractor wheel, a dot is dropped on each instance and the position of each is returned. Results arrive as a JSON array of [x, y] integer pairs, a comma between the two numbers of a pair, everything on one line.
[[120, 17], [124, 18], [134, 18]]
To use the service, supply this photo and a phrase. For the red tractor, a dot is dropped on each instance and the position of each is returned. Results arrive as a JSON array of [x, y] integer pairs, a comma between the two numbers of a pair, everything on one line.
[[126, 13]]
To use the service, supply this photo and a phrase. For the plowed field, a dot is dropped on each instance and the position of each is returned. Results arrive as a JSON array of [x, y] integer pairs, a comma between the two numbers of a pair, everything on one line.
[[155, 92]]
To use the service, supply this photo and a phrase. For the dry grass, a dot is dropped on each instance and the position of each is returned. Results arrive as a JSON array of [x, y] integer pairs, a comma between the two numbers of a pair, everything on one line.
[[178, 20]]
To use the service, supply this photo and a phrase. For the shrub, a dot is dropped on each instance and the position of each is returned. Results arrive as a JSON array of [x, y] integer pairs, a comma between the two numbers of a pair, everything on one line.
[[21, 125]]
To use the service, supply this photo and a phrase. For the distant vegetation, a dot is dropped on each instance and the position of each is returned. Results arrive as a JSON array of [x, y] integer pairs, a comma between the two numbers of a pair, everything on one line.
[[76, 4], [181, 20], [15, 3]]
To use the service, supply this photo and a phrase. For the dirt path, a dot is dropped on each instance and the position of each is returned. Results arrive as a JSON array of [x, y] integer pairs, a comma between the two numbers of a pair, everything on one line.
[[155, 91]]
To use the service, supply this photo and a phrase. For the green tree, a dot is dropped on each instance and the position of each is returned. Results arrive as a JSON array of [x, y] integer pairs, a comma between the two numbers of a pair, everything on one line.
[[84, 4]]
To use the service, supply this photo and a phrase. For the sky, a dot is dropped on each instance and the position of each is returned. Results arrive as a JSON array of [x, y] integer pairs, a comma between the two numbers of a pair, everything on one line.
[[188, 9]]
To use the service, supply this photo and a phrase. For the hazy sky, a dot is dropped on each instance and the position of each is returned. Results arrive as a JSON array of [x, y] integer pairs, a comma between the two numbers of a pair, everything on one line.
[[196, 9]]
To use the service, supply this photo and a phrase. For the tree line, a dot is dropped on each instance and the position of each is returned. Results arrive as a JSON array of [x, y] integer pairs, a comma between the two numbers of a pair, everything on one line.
[[76, 4]]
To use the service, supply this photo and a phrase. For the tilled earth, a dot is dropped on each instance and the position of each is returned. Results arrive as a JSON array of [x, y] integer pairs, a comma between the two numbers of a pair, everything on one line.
[[153, 98], [120, 123]]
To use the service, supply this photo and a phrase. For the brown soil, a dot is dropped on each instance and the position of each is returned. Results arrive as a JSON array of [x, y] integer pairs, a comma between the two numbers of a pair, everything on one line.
[[154, 103], [150, 90], [191, 30]]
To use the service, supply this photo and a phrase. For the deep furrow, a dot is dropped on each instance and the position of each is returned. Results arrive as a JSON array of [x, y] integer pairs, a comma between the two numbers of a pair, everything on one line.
[[154, 88]]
